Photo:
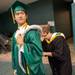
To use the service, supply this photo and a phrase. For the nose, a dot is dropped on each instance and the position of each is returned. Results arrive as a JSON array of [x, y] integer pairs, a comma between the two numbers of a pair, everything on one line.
[[20, 16]]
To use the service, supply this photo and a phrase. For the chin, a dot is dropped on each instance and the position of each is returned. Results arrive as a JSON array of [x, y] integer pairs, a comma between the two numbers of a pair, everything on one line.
[[21, 23]]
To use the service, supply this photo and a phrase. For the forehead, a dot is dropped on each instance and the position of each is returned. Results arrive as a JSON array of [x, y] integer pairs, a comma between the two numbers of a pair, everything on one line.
[[18, 12]]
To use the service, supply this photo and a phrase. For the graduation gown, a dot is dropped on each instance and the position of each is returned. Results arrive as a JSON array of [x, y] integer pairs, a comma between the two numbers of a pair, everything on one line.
[[31, 56], [60, 61]]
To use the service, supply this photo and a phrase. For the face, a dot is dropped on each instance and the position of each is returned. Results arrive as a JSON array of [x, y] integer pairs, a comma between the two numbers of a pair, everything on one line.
[[44, 34], [48, 37], [20, 17]]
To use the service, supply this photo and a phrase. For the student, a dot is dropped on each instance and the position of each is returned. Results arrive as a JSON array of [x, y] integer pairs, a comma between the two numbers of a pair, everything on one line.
[[26, 46], [58, 52]]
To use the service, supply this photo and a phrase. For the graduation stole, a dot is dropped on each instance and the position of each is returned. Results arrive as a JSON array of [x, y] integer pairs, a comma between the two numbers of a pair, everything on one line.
[[54, 35], [21, 30], [24, 26]]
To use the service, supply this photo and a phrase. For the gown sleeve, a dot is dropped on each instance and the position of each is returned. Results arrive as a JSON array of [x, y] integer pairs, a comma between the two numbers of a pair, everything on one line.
[[13, 49], [33, 50], [60, 46]]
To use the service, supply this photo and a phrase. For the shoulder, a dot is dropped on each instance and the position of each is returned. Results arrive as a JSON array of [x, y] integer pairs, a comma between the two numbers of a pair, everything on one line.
[[59, 40], [33, 28]]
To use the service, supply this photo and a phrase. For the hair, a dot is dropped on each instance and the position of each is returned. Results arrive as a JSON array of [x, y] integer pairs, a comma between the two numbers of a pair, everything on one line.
[[45, 28]]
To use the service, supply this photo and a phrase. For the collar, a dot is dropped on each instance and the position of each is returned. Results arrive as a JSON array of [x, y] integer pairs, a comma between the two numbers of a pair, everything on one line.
[[24, 26], [54, 35]]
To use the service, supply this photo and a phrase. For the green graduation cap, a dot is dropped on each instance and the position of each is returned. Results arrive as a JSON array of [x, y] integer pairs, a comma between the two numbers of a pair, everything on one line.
[[18, 6]]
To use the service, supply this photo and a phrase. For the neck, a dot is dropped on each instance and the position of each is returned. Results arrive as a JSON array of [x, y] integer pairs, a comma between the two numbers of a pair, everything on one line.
[[50, 35], [23, 25]]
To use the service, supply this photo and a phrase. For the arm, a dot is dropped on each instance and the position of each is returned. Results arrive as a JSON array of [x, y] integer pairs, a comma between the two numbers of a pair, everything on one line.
[[47, 54], [59, 48]]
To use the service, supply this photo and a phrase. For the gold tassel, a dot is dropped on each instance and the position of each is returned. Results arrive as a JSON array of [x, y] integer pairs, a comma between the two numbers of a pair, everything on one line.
[[28, 70], [12, 15]]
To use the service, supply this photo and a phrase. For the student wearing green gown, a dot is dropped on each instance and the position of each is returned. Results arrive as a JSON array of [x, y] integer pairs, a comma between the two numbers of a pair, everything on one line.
[[26, 46]]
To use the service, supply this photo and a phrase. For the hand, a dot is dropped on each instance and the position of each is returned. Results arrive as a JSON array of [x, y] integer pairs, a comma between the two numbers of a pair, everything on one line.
[[47, 54], [48, 36], [14, 72], [20, 40]]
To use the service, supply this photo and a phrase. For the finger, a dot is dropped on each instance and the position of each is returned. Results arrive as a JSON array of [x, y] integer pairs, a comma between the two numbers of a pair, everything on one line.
[[20, 34]]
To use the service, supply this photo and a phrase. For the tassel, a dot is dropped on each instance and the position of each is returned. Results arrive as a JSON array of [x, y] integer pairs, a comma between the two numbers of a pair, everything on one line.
[[12, 15], [28, 70]]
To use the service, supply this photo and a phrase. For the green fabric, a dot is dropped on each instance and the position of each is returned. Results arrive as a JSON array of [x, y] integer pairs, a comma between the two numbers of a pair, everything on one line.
[[21, 6], [32, 54], [18, 8], [15, 63]]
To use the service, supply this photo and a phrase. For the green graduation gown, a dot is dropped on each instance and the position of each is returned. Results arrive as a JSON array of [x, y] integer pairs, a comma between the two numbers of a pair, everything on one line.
[[31, 57]]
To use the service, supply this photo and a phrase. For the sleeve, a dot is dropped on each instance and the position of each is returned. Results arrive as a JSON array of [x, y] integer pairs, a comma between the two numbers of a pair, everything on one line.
[[12, 49], [45, 46], [59, 48], [33, 50]]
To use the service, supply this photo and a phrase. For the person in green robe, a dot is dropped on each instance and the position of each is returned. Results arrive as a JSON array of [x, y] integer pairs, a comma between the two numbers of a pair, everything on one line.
[[26, 46]]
